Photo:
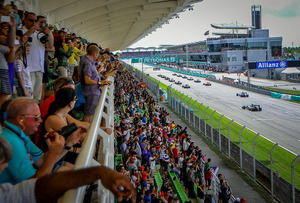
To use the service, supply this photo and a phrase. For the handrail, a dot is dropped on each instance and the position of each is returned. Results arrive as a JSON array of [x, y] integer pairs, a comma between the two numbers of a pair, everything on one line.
[[85, 156]]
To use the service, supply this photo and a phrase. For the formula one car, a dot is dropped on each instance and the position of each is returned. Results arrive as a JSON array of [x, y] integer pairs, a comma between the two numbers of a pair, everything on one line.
[[197, 81], [184, 77], [243, 94], [163, 76], [179, 75], [175, 74], [178, 83], [171, 80], [190, 78], [159, 75], [186, 86], [252, 107], [207, 84], [167, 78]]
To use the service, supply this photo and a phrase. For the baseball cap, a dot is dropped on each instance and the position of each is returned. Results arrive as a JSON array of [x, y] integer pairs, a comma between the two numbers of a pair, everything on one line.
[[141, 168]]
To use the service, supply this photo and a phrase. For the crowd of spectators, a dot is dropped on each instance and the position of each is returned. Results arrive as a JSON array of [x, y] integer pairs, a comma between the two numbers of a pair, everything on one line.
[[149, 142]]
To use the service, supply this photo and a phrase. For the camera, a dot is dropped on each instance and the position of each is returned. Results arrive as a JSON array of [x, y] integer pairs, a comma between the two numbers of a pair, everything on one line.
[[65, 131], [43, 24], [44, 39]]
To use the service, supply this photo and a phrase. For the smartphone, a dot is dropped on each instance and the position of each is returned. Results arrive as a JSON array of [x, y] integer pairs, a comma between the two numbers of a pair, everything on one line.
[[17, 42], [4, 19]]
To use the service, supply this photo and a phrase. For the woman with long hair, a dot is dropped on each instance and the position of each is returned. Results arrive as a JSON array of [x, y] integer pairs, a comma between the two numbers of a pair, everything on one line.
[[58, 117]]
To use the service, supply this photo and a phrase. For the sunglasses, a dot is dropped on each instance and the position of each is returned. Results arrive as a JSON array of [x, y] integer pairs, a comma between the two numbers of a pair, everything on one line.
[[32, 20], [36, 117], [71, 82]]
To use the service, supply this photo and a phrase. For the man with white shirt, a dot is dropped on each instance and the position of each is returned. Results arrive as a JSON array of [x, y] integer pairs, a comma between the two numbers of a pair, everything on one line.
[[37, 30], [126, 133]]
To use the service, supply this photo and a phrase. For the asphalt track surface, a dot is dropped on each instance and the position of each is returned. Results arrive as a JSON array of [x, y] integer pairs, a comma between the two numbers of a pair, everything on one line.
[[278, 121]]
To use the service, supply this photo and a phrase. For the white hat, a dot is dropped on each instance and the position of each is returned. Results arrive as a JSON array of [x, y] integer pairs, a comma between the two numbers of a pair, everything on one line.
[[238, 199], [166, 156]]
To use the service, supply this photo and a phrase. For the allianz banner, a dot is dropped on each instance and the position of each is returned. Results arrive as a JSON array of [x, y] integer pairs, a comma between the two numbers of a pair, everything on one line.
[[271, 64]]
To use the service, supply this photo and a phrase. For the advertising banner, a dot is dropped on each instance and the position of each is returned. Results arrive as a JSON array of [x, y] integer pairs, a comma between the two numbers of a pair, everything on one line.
[[154, 60], [271, 64]]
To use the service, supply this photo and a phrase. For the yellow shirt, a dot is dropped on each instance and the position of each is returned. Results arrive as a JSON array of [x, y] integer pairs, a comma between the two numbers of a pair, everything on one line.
[[72, 57]]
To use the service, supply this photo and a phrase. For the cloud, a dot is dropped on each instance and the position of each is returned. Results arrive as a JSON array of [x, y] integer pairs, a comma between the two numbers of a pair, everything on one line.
[[290, 11]]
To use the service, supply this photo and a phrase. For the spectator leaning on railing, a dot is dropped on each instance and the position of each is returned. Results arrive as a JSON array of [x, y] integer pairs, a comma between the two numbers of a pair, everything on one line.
[[91, 82]]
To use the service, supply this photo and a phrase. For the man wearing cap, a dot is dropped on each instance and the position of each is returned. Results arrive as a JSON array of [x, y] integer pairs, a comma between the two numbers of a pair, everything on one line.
[[166, 161]]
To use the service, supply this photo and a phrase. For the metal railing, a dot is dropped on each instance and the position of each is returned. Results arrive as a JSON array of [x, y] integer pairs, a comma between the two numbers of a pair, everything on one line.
[[106, 148]]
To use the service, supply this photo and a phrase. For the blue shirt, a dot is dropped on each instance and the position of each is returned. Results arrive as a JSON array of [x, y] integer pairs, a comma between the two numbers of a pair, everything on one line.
[[147, 199], [79, 95], [19, 167]]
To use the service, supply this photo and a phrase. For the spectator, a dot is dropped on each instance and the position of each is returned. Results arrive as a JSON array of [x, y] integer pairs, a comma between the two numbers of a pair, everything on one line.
[[191, 181], [23, 119], [207, 173], [64, 82], [35, 27], [58, 117], [62, 57], [7, 54], [90, 82], [50, 188], [23, 84], [72, 61], [225, 189]]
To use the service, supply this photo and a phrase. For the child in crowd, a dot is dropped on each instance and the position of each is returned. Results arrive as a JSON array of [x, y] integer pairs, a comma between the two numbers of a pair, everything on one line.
[[23, 84]]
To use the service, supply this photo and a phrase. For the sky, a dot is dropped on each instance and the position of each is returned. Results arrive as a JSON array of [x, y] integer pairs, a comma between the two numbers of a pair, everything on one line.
[[281, 17]]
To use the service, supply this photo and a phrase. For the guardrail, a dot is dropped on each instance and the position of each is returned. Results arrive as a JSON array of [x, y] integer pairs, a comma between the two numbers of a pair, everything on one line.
[[106, 148], [275, 163]]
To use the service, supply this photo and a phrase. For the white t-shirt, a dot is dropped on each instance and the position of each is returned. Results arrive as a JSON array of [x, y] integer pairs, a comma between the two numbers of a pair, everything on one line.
[[152, 162], [19, 67], [127, 134], [36, 58]]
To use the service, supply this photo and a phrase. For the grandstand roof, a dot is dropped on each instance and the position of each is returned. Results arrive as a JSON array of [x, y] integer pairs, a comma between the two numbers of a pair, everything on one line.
[[231, 26], [115, 23]]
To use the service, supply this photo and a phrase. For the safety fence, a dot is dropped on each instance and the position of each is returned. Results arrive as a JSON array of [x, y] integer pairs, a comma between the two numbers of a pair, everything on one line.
[[258, 156], [105, 153]]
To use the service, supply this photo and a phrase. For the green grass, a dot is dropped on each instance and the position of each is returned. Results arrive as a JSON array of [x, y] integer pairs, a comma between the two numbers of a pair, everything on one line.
[[284, 91]]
